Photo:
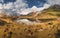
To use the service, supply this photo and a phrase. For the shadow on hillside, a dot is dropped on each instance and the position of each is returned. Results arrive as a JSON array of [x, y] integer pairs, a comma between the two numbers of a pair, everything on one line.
[[58, 34], [2, 23]]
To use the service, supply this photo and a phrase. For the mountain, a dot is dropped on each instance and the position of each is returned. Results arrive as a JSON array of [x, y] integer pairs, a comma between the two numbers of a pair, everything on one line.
[[55, 10], [43, 22]]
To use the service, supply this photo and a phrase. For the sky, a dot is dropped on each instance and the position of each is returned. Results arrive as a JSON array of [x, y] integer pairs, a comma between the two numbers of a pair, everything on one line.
[[37, 3], [24, 7], [30, 3]]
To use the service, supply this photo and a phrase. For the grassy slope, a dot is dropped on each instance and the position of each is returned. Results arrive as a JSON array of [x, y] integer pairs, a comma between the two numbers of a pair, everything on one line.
[[11, 29], [15, 30], [55, 10]]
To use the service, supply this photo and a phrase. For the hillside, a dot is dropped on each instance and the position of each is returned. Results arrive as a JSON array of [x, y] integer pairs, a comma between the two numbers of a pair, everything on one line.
[[43, 25], [55, 10]]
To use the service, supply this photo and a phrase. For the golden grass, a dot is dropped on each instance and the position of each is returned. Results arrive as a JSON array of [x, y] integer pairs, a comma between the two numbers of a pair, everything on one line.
[[12, 29], [42, 30]]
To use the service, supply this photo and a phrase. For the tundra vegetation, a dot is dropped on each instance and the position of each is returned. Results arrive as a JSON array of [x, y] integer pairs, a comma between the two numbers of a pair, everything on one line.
[[47, 26]]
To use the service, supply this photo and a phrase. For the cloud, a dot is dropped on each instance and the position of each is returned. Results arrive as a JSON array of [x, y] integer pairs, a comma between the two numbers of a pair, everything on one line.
[[25, 21], [8, 6], [11, 7], [53, 2], [1, 6], [1, 0], [34, 9], [20, 7]]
